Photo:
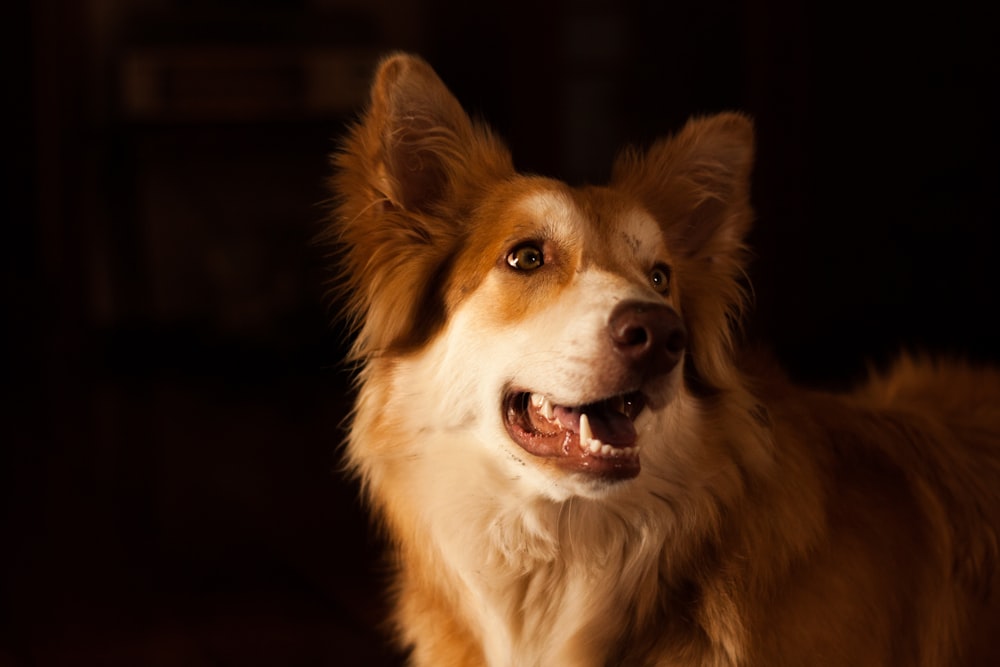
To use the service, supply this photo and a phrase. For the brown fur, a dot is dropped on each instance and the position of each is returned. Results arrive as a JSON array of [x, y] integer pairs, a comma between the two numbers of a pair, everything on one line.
[[781, 526]]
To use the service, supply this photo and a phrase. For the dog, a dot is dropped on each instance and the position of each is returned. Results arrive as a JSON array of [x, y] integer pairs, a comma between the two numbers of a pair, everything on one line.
[[575, 458]]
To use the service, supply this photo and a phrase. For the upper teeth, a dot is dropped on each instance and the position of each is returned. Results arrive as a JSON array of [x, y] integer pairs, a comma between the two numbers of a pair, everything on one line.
[[543, 404]]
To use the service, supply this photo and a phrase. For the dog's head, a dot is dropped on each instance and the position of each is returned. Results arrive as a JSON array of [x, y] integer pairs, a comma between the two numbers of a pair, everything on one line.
[[554, 326]]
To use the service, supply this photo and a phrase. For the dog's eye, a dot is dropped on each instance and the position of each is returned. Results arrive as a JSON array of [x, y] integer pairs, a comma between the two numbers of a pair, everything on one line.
[[659, 278], [526, 257]]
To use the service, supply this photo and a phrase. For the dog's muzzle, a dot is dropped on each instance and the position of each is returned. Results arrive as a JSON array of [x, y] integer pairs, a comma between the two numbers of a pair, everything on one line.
[[645, 341]]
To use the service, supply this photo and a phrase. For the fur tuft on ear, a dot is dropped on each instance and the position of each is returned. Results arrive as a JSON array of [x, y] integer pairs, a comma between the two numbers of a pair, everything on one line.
[[697, 184], [404, 177]]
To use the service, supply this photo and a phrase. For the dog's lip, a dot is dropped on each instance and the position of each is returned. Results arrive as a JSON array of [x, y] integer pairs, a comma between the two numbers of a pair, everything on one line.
[[597, 438]]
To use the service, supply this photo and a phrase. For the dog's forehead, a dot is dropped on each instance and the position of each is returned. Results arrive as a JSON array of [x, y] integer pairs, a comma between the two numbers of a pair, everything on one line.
[[597, 218], [634, 232], [553, 211]]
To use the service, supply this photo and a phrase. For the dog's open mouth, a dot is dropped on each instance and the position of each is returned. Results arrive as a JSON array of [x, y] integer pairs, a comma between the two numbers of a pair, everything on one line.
[[598, 438]]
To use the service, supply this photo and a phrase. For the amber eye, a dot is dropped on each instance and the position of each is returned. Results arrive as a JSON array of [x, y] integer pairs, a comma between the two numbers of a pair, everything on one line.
[[526, 257], [659, 278]]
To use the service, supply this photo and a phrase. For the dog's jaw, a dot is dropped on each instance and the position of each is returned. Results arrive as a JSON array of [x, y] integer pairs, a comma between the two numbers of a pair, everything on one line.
[[598, 438]]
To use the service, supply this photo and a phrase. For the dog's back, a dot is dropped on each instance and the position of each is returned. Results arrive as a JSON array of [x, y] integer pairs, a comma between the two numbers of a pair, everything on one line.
[[900, 567]]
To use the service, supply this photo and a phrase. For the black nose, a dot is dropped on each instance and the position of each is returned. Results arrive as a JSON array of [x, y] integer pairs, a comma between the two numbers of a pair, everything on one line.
[[650, 336]]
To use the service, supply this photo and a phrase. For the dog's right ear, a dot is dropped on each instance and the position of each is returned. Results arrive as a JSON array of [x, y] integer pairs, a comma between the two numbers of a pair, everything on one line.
[[421, 128], [404, 175], [697, 184]]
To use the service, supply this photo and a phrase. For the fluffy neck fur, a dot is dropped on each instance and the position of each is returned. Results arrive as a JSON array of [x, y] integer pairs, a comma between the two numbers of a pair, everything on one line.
[[561, 582]]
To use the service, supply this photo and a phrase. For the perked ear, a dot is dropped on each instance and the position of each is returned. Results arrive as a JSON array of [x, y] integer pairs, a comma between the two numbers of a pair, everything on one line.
[[423, 134], [404, 175], [697, 183], [418, 143]]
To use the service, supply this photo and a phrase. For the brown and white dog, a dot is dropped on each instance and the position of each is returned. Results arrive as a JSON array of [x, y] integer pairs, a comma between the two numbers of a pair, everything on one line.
[[574, 465]]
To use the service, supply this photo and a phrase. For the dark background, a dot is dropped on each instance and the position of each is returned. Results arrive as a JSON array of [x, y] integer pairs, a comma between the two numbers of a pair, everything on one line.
[[172, 394]]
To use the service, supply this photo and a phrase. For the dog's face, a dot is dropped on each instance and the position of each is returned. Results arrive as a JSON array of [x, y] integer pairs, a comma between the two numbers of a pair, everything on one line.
[[561, 308], [551, 326]]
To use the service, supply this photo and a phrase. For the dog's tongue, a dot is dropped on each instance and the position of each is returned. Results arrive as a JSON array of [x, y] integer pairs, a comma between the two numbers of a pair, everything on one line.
[[607, 425]]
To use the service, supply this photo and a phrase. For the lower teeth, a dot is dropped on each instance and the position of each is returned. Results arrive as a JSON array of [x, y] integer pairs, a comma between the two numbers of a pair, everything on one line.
[[598, 448]]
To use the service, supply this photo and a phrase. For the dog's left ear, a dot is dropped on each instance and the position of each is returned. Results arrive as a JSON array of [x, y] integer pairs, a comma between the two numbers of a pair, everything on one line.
[[697, 183]]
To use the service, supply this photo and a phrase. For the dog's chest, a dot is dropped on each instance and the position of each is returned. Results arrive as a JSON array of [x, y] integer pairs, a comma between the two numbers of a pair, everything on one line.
[[568, 599], [546, 617]]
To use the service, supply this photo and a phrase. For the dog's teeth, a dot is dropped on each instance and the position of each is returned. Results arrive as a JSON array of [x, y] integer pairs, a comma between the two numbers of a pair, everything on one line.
[[597, 448], [586, 435], [543, 405], [587, 439]]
